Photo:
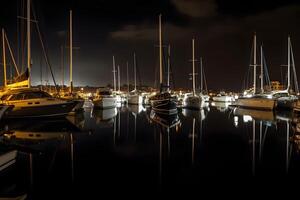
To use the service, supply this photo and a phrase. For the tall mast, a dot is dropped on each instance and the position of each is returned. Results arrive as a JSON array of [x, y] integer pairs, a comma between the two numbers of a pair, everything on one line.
[[160, 53], [201, 76], [71, 52], [193, 45], [114, 72], [169, 65], [28, 42], [119, 82], [127, 77], [261, 69], [134, 67], [62, 66], [289, 64], [254, 64], [4, 56]]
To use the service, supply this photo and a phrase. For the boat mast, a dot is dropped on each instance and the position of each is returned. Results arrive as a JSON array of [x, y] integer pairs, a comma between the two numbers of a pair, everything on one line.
[[28, 42], [160, 54], [71, 52], [201, 76], [193, 45], [119, 84], [114, 72], [169, 65], [62, 67], [289, 64], [261, 69], [294, 69], [4, 56], [127, 77], [254, 64], [134, 67]]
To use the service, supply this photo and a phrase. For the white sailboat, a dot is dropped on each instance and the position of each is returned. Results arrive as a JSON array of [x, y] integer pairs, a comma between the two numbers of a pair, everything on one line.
[[288, 100], [257, 101], [134, 97], [193, 101], [162, 102], [204, 97], [104, 99]]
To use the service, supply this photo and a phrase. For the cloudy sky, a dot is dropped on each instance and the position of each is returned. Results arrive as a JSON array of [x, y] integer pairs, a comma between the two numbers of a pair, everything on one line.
[[223, 31]]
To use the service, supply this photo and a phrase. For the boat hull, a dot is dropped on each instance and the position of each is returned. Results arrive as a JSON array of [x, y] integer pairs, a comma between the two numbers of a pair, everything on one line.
[[256, 103], [105, 103], [192, 102], [135, 99], [79, 104], [223, 99], [164, 106], [54, 109], [286, 103]]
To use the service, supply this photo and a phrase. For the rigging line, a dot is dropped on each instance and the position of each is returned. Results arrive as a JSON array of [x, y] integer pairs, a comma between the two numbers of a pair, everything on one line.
[[164, 68], [294, 69], [205, 83], [11, 54], [171, 73], [139, 74], [155, 72], [44, 51], [281, 76], [266, 72]]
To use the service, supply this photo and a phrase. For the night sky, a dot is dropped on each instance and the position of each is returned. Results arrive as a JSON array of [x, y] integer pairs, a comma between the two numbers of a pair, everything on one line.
[[223, 31]]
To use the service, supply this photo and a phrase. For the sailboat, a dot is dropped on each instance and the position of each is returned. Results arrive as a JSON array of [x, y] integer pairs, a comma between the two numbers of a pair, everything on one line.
[[70, 95], [204, 97], [193, 101], [162, 102], [134, 97], [288, 100], [263, 101], [29, 102]]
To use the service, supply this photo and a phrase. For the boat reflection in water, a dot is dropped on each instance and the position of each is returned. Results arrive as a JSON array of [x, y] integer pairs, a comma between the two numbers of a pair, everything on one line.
[[221, 106], [40, 143], [198, 115], [106, 115], [264, 122], [249, 114], [165, 121], [136, 109]]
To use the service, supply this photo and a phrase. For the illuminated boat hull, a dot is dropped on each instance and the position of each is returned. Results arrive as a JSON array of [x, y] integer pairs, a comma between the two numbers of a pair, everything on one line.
[[192, 102], [105, 103], [135, 99], [39, 108], [256, 103]]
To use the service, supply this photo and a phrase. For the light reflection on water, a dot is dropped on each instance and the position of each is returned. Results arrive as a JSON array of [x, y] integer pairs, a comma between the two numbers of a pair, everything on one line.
[[131, 146]]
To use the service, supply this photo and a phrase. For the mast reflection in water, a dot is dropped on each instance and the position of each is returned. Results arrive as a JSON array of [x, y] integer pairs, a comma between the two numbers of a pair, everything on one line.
[[130, 147]]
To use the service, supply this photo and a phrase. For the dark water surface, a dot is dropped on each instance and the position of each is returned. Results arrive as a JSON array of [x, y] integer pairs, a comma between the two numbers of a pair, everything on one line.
[[128, 149]]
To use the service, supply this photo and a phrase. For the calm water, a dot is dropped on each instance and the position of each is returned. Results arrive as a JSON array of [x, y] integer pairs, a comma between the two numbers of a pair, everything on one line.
[[129, 149]]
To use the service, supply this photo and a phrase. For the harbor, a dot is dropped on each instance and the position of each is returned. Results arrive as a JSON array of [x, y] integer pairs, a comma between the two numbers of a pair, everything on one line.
[[153, 106]]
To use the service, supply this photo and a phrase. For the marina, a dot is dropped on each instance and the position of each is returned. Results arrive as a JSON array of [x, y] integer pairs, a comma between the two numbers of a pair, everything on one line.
[[163, 98]]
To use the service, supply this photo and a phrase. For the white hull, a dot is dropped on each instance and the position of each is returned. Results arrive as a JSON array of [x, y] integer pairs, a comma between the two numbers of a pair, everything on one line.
[[205, 98], [224, 98], [256, 103], [135, 99], [105, 102], [192, 102]]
